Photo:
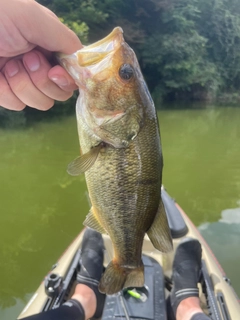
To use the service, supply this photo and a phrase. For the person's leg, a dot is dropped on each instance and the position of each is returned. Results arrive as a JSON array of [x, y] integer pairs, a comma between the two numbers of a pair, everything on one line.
[[87, 301], [200, 316], [184, 303], [91, 270], [72, 310], [189, 309]]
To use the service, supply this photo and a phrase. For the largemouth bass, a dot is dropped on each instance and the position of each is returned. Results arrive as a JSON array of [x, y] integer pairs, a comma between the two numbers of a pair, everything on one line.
[[120, 154]]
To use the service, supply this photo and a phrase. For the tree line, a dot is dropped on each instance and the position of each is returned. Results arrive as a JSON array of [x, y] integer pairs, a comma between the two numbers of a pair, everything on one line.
[[187, 49]]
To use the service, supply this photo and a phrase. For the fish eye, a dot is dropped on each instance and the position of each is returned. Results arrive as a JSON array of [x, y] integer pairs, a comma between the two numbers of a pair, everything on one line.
[[126, 71]]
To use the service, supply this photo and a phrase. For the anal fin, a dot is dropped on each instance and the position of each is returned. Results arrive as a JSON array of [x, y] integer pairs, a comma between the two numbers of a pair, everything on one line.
[[159, 232], [92, 222]]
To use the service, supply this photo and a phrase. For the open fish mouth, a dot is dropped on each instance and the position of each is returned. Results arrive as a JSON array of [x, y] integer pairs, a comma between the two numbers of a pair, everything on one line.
[[93, 58], [107, 44]]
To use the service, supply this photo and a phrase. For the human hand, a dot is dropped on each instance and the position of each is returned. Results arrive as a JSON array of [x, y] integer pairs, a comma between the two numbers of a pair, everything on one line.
[[29, 36]]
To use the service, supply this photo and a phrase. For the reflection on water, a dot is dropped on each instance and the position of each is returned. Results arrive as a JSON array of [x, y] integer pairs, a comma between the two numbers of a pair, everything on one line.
[[224, 239], [42, 208], [201, 150]]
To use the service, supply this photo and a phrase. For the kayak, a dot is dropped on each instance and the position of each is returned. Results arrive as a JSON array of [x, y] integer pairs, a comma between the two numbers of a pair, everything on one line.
[[218, 299]]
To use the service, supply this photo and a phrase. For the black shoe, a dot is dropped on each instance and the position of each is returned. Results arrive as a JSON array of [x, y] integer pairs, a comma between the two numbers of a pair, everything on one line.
[[91, 266], [186, 274]]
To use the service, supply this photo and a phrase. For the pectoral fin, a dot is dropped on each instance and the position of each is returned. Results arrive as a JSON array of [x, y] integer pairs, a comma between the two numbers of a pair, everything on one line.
[[84, 162], [92, 222], [159, 232]]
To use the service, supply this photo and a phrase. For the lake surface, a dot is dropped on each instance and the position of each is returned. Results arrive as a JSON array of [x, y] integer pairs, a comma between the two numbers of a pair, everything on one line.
[[42, 207]]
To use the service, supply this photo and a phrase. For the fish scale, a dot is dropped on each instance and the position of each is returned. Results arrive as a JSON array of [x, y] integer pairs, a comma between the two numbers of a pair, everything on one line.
[[132, 199], [121, 156]]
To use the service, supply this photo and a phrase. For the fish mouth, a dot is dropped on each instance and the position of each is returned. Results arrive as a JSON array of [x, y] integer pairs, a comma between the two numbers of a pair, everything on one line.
[[105, 45], [93, 58]]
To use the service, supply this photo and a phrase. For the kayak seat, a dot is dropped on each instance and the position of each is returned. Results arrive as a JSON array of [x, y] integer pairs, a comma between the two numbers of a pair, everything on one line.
[[151, 305], [176, 222]]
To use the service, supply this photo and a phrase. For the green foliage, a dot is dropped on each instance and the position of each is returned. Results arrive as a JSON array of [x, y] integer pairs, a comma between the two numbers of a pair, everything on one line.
[[80, 28], [222, 29], [187, 48], [179, 54], [78, 15]]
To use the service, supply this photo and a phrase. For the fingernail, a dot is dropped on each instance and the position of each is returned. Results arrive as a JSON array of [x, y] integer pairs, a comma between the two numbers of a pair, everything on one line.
[[32, 61], [12, 68], [60, 81]]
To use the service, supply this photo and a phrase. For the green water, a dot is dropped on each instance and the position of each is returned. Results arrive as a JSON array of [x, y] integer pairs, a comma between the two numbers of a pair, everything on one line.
[[42, 208]]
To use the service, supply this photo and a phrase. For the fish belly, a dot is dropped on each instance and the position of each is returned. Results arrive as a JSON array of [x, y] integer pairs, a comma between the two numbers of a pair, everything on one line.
[[124, 187]]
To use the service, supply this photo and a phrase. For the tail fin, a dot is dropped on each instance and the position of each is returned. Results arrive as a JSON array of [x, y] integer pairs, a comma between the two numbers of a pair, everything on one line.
[[116, 277]]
